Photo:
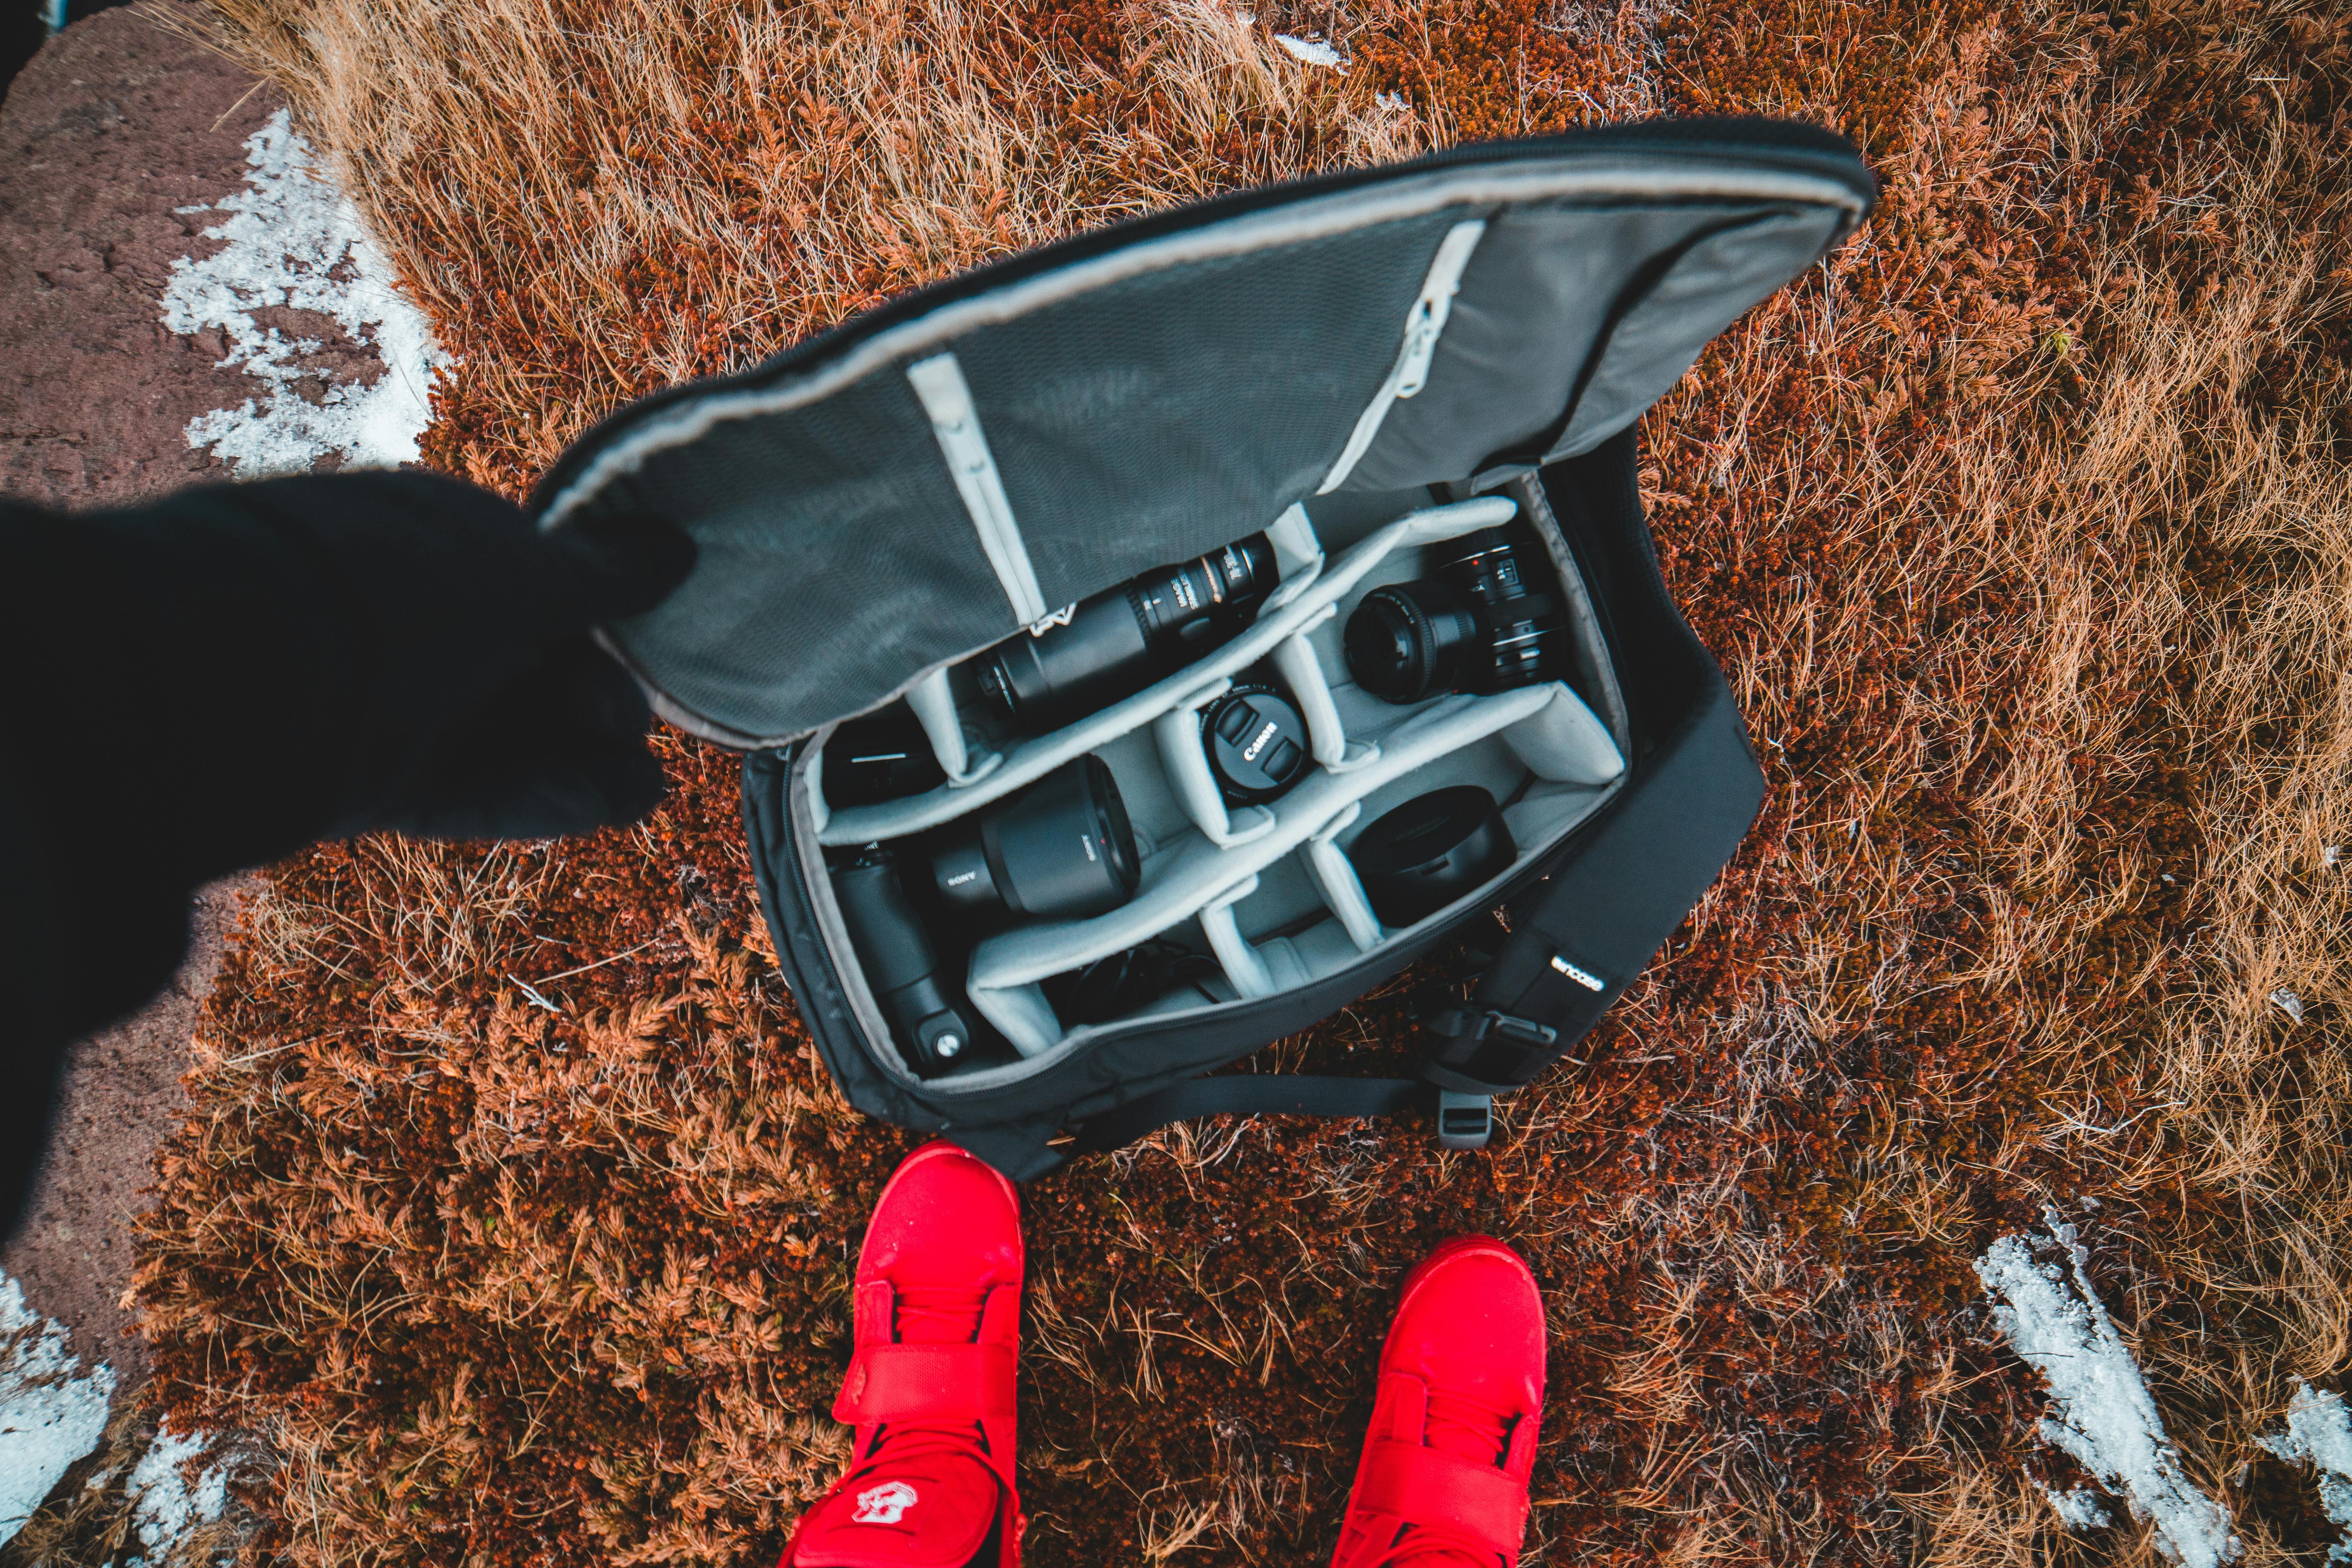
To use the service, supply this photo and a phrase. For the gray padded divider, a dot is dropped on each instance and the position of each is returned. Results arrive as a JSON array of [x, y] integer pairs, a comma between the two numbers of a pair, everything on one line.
[[1566, 743], [1195, 874], [933, 705]]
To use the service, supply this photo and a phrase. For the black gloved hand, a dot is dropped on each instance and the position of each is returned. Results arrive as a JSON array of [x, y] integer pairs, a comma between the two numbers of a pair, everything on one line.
[[219, 679], [259, 666]]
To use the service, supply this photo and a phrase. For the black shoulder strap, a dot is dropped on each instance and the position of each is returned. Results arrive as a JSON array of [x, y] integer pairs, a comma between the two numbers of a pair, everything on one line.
[[1247, 1094]]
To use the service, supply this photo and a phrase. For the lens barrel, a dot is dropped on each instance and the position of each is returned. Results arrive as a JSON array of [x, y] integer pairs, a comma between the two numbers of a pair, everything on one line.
[[900, 965], [1430, 851], [1117, 643], [1061, 849], [1406, 641], [1473, 625]]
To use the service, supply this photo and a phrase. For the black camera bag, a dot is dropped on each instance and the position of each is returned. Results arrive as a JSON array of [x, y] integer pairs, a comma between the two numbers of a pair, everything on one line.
[[887, 499]]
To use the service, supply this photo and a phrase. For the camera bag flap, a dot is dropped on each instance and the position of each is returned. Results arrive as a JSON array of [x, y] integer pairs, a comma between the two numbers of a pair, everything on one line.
[[933, 476], [891, 498]]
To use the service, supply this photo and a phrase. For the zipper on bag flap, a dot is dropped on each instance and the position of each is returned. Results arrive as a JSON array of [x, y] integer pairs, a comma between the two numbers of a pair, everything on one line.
[[1423, 327]]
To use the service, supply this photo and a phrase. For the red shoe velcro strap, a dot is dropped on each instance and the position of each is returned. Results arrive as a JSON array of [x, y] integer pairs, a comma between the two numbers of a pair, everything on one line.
[[927, 1383], [1429, 1486]]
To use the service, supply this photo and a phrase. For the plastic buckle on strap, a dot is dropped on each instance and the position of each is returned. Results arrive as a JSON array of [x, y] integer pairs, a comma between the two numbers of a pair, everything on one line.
[[1464, 1121], [1464, 1025]]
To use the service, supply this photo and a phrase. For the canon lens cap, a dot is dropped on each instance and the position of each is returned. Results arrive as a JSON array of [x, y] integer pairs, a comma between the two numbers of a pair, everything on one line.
[[1428, 852], [1257, 744]]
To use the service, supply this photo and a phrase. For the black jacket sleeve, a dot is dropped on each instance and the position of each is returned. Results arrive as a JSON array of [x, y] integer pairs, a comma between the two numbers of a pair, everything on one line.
[[214, 681]]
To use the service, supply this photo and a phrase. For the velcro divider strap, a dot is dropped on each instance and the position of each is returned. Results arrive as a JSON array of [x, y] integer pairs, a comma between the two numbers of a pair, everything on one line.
[[1429, 1486], [908, 1382]]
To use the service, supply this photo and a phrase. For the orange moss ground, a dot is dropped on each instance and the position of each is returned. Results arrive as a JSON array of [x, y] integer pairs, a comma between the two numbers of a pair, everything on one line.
[[523, 1284]]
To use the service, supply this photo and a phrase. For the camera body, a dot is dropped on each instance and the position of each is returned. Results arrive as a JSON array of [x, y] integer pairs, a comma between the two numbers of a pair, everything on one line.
[[902, 965]]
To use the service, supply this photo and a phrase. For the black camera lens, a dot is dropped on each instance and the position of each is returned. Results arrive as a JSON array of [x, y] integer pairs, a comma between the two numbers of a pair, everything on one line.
[[901, 966], [1115, 644], [1404, 642], [883, 756], [1112, 987], [1474, 625], [1061, 849], [1258, 746], [1428, 852]]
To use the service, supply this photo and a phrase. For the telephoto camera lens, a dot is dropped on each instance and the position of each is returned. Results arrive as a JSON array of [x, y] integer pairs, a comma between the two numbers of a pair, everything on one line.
[[1257, 744], [1428, 852], [1474, 625], [1115, 644], [901, 966], [1061, 849]]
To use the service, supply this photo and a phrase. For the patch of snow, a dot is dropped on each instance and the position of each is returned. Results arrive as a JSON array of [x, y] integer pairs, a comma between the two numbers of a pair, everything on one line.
[[165, 1507], [2319, 1433], [2288, 1003], [2079, 1508], [2104, 1417], [51, 1413], [1313, 51], [294, 240]]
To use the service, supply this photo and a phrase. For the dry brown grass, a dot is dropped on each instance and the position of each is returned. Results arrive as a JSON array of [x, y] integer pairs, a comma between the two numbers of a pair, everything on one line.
[[2256, 1100], [2020, 527], [649, 192]]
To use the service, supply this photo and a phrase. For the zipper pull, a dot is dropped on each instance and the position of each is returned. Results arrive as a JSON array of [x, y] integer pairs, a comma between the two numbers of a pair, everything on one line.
[[1420, 345], [1427, 322]]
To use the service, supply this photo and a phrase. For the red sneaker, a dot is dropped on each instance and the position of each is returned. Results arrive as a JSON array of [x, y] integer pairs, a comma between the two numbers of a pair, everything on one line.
[[1443, 1479], [930, 1382]]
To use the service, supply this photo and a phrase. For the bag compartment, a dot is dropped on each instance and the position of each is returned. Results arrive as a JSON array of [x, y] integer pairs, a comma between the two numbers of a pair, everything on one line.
[[1077, 456], [1264, 898]]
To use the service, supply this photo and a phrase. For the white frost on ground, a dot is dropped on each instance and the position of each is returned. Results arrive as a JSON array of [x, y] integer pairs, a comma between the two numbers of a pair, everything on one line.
[[165, 1507], [2319, 1433], [1314, 51], [51, 1413], [2078, 1510], [294, 240], [2104, 1418]]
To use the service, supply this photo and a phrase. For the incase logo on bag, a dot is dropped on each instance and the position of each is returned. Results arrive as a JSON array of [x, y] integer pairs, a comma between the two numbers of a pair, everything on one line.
[[1590, 981], [886, 1504]]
